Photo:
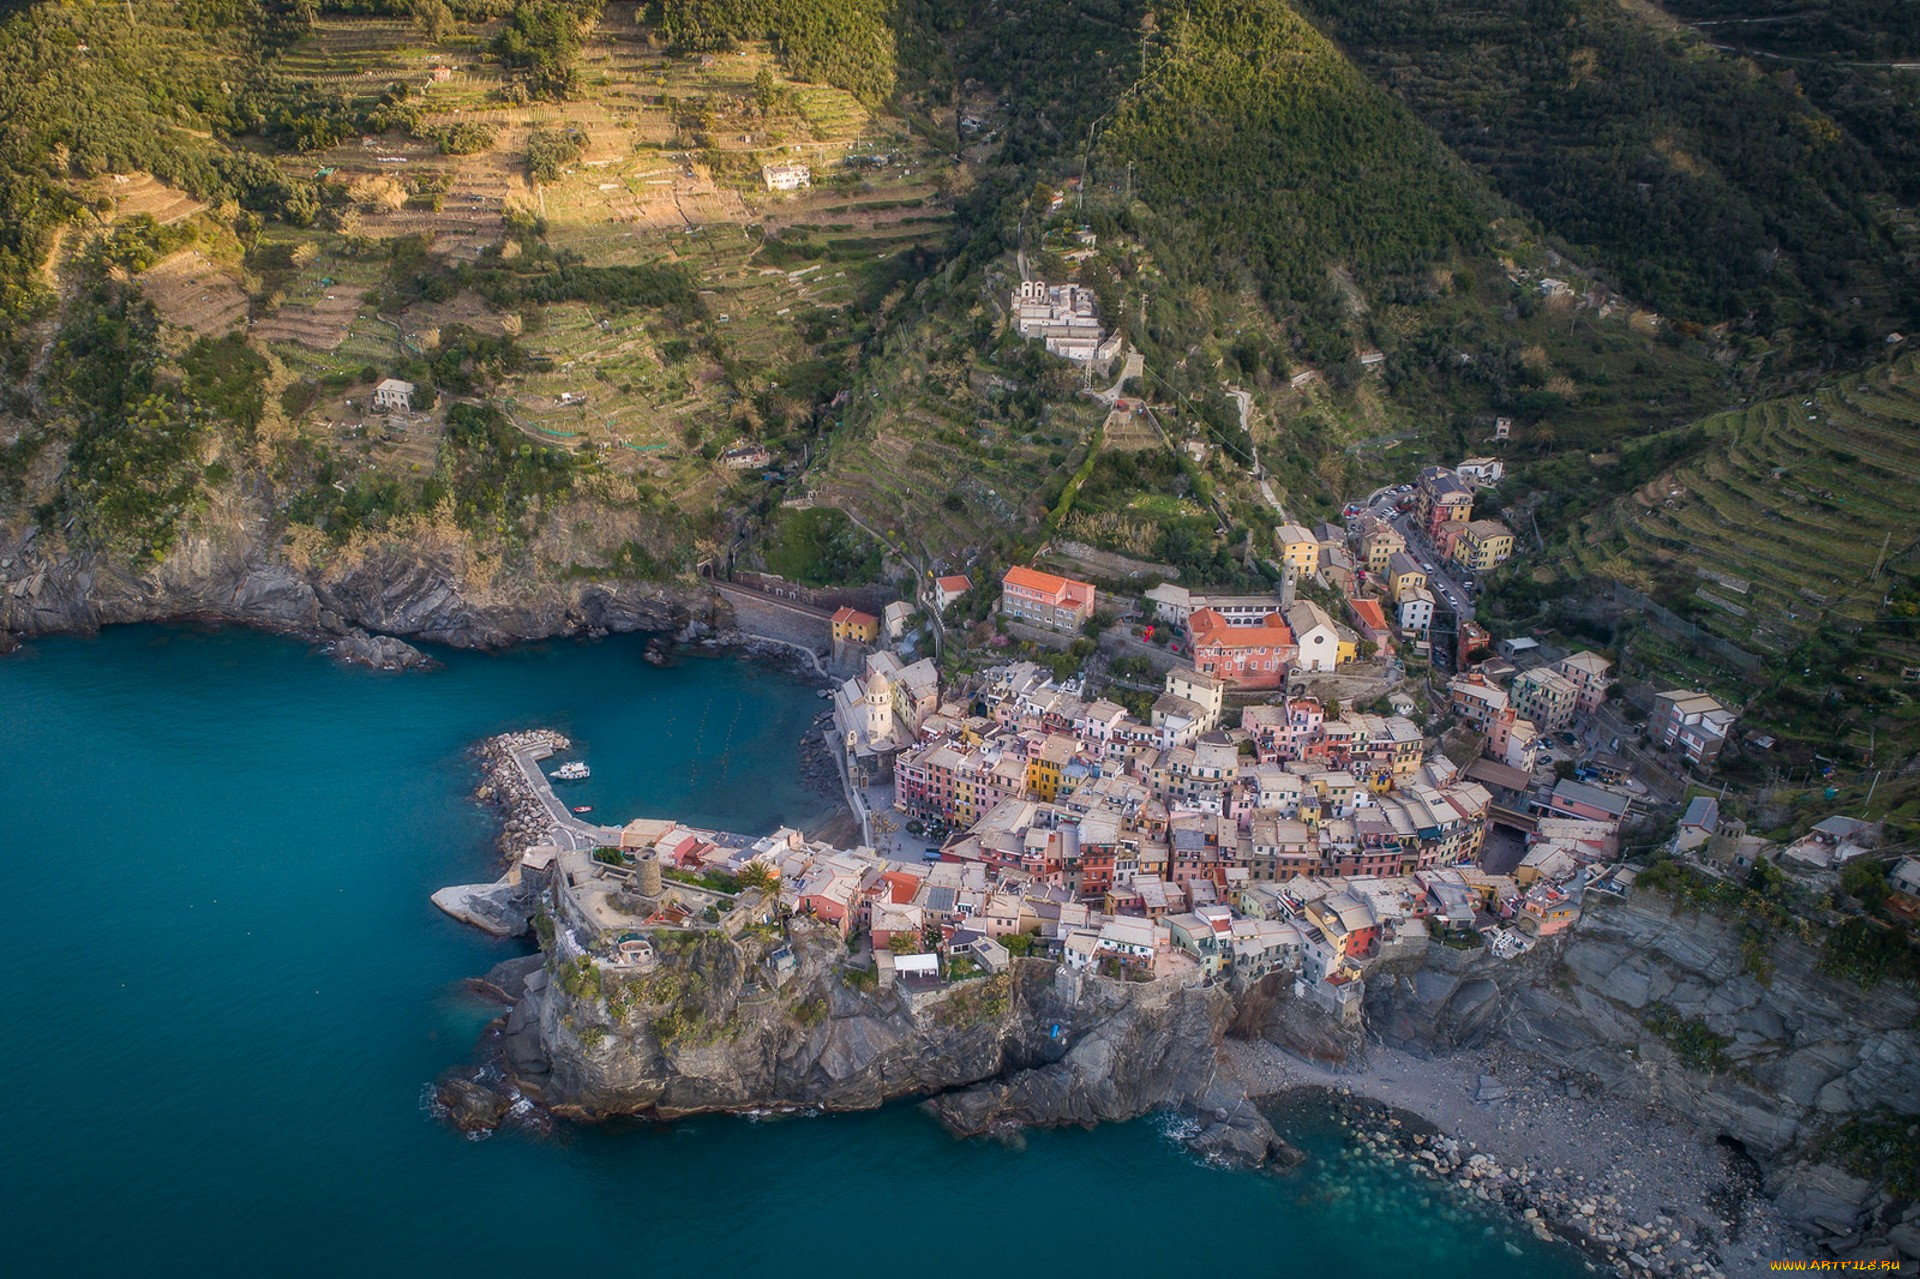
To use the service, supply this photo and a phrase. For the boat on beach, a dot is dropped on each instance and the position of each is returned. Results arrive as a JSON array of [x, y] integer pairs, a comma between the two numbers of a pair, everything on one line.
[[572, 771]]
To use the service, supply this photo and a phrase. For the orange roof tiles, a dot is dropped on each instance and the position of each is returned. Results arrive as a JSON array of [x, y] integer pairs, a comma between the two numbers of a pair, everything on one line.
[[1050, 584], [1210, 630], [1369, 613]]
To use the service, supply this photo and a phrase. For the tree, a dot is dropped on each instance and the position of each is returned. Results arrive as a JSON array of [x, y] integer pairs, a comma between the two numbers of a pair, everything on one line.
[[542, 37], [1867, 880], [761, 876], [434, 19], [904, 943]]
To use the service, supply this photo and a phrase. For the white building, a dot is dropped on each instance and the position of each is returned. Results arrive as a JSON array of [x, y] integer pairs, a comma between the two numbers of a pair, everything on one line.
[[1315, 639], [1481, 472], [1064, 316], [393, 396], [786, 177], [1416, 610]]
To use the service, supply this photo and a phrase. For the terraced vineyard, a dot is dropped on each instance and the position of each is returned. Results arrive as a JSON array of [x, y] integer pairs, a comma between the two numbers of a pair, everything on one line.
[[1799, 519]]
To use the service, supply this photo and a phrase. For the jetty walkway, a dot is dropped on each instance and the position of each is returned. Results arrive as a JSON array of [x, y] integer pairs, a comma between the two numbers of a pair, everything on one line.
[[569, 831]]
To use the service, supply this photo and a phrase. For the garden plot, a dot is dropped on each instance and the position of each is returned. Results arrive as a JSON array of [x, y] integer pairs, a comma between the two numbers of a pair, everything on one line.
[[139, 194], [191, 291], [1799, 515], [319, 323]]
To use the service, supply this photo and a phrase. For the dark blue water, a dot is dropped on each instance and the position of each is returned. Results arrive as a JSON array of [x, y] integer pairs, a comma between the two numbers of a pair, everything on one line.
[[227, 991]]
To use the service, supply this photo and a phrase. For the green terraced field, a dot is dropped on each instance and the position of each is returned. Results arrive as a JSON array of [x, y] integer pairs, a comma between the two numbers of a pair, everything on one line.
[[1794, 532]]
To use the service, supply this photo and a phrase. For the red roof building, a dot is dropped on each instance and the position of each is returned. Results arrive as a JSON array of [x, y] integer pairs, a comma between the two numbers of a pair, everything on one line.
[[850, 625], [948, 589], [1244, 656], [1371, 621], [1043, 599]]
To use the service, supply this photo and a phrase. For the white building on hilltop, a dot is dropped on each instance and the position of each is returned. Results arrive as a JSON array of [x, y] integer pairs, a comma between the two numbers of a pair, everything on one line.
[[1064, 316]]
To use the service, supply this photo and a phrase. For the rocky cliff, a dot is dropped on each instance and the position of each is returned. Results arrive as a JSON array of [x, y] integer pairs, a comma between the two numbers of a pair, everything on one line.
[[1668, 1007], [708, 1029], [430, 590]]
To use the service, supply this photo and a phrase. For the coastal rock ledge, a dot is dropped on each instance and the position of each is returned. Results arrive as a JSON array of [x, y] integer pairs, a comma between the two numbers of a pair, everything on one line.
[[762, 1022]]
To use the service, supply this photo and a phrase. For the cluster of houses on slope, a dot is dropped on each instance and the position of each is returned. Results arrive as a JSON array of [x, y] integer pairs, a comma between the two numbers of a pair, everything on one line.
[[927, 923], [1253, 641], [1518, 711], [1066, 317], [1296, 842], [1718, 842], [1081, 795]]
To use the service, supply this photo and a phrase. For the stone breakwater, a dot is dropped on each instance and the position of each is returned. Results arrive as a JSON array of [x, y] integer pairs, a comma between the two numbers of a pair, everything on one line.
[[524, 819]]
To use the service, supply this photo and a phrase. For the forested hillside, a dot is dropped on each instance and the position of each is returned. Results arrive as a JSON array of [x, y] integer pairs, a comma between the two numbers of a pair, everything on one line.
[[93, 90], [1710, 187], [847, 43], [1264, 158], [226, 220]]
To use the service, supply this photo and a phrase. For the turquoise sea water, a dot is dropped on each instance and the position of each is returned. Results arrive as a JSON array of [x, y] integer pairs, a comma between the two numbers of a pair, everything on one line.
[[228, 991]]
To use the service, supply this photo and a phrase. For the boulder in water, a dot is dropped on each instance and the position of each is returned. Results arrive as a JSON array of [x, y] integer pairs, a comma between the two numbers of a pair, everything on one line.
[[471, 1106], [381, 652]]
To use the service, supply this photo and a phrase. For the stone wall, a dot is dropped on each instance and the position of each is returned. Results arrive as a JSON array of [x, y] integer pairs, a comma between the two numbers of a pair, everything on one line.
[[799, 624], [868, 599]]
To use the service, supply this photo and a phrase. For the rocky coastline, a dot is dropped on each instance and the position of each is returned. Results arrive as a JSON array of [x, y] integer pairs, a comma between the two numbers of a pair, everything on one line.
[[1640, 1192], [1806, 1051], [1484, 1091], [373, 609]]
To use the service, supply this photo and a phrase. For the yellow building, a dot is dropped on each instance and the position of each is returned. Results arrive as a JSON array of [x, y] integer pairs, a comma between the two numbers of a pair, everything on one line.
[[1299, 549], [1484, 545], [1381, 543], [1044, 769], [851, 626], [1404, 574]]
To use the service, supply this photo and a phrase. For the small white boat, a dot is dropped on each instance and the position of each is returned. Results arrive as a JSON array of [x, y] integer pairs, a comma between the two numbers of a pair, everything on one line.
[[572, 771]]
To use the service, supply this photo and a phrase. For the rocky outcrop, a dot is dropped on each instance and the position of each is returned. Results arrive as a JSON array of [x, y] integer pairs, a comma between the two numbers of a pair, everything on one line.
[[1270, 1010], [411, 593], [377, 652], [1658, 1005], [709, 1029]]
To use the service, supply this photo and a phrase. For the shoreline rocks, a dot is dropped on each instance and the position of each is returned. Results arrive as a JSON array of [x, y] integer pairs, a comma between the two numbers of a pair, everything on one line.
[[500, 909], [1638, 1190], [377, 652], [524, 820]]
